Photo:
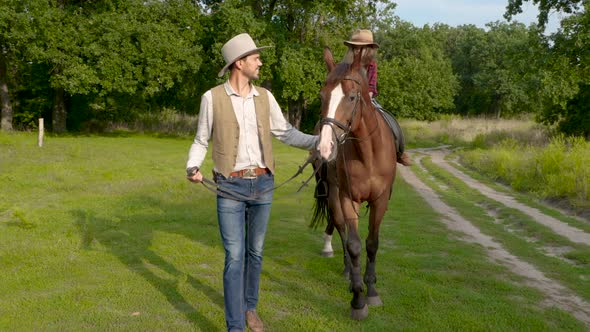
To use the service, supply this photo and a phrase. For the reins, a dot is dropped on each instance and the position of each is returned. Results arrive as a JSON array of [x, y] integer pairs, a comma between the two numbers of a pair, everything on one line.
[[230, 194]]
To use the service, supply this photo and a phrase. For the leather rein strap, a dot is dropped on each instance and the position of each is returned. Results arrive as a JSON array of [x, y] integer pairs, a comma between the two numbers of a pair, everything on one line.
[[230, 194]]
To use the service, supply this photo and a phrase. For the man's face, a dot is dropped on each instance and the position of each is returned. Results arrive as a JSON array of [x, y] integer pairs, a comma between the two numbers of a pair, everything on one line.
[[251, 66]]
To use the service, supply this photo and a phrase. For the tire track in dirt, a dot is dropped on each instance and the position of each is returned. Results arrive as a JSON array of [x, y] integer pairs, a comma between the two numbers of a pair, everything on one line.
[[559, 227], [556, 294]]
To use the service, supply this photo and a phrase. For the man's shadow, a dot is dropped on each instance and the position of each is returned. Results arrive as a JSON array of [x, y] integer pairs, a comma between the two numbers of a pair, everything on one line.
[[129, 238]]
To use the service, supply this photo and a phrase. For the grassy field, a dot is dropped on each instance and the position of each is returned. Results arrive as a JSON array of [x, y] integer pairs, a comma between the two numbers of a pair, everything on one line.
[[105, 234]]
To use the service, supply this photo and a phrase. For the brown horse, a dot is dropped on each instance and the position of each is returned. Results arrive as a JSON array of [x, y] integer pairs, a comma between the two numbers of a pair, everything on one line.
[[359, 165]]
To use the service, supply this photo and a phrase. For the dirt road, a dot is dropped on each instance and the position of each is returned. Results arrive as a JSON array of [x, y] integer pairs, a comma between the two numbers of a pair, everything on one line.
[[556, 294]]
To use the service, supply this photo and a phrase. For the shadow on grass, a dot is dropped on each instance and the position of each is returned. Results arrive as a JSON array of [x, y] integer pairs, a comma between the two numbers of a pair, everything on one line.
[[130, 240]]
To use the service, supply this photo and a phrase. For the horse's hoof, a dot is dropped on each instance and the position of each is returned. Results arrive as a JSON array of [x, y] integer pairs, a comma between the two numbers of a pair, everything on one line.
[[374, 301], [327, 254], [359, 314]]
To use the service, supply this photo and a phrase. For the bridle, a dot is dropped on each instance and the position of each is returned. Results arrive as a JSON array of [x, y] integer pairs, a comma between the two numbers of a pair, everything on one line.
[[347, 128]]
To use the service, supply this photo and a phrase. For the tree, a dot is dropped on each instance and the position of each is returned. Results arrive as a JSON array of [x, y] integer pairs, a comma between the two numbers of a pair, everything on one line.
[[460, 46], [108, 57], [507, 69], [545, 7], [567, 77], [6, 114], [499, 69], [16, 34], [566, 74], [415, 76]]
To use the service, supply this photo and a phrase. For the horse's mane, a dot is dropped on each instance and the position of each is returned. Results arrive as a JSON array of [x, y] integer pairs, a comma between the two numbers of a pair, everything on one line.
[[342, 70], [338, 72]]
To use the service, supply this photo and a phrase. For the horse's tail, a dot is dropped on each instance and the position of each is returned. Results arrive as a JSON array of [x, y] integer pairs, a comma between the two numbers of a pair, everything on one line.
[[321, 210]]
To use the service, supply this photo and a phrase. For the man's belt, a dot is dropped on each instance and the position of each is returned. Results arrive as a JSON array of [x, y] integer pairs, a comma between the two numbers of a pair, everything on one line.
[[249, 173]]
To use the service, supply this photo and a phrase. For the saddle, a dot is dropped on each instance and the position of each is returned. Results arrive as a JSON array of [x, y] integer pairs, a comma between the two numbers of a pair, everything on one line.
[[393, 125]]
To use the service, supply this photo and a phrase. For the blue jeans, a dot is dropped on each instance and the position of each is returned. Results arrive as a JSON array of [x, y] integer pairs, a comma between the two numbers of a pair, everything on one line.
[[242, 224]]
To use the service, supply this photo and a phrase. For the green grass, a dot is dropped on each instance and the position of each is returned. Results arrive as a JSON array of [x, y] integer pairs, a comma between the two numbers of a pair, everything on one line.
[[104, 233]]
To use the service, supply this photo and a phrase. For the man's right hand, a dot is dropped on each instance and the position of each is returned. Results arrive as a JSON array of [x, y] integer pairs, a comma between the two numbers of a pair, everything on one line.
[[194, 175]]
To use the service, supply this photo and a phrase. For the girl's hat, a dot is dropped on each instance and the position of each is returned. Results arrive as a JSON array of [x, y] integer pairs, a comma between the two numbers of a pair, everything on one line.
[[361, 37]]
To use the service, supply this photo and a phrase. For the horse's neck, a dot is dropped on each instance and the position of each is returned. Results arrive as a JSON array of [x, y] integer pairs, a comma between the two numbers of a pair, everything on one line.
[[369, 122], [367, 134]]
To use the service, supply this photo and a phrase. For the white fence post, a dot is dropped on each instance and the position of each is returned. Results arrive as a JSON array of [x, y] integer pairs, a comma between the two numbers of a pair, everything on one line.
[[41, 132]]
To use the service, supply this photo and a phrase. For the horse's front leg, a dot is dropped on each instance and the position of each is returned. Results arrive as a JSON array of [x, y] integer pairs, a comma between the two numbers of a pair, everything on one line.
[[372, 244], [359, 309], [345, 255], [338, 221]]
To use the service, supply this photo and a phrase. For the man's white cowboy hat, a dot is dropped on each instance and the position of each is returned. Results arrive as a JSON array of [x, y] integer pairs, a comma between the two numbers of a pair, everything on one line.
[[361, 37], [237, 48]]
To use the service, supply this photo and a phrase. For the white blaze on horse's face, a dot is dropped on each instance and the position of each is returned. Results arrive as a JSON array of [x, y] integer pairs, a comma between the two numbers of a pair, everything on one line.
[[326, 135]]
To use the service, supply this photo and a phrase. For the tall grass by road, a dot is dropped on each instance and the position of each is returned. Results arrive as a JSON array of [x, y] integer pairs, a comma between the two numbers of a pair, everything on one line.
[[560, 170], [519, 153], [105, 234]]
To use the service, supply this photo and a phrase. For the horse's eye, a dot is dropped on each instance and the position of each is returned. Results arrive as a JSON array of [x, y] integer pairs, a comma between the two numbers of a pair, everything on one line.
[[352, 97]]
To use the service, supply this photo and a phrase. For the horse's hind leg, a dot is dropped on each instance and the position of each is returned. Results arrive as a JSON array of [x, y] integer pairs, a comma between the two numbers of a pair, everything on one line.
[[328, 251], [372, 245]]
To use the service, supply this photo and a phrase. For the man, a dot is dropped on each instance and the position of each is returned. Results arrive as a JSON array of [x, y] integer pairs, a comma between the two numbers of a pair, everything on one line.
[[241, 119]]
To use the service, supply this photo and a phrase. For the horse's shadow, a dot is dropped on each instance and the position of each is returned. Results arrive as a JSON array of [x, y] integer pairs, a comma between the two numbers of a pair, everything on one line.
[[129, 238]]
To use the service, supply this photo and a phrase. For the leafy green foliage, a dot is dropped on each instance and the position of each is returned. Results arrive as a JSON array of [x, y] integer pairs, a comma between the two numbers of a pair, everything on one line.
[[99, 53], [545, 8], [104, 62], [19, 79], [566, 71], [498, 69], [416, 79], [568, 85]]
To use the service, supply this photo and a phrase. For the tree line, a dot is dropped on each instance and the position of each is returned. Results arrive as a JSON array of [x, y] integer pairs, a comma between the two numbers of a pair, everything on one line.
[[80, 63]]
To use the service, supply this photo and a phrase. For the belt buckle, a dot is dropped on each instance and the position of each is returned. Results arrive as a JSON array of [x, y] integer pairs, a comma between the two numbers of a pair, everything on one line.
[[249, 174]]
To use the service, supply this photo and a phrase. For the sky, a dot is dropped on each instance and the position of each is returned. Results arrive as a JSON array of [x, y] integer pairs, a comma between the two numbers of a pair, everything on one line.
[[459, 12]]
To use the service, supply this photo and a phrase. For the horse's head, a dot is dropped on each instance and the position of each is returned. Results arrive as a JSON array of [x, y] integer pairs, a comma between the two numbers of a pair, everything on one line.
[[343, 96]]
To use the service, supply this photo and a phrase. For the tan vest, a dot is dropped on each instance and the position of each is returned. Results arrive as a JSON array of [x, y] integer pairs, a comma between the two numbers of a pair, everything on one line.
[[226, 130]]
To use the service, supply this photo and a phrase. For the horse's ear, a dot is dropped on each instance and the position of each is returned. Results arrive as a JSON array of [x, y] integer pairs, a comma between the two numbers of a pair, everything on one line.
[[329, 59]]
